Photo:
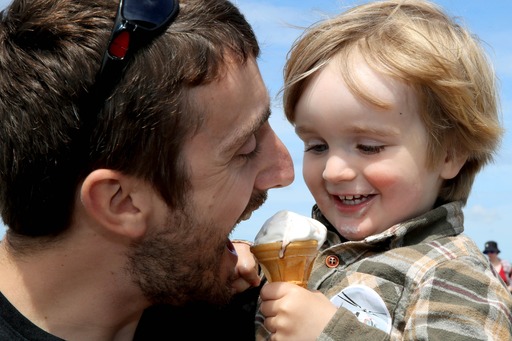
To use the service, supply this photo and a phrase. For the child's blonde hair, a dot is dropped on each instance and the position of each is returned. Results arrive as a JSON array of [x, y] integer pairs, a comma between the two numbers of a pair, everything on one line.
[[417, 43]]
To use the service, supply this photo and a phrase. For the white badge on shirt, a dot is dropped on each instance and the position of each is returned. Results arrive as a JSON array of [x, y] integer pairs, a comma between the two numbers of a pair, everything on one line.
[[366, 304]]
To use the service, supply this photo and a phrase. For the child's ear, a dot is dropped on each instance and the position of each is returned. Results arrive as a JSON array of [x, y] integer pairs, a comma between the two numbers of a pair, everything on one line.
[[111, 199], [452, 163]]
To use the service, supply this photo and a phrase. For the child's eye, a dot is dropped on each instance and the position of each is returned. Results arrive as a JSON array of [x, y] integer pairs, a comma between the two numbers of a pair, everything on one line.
[[315, 148], [368, 149]]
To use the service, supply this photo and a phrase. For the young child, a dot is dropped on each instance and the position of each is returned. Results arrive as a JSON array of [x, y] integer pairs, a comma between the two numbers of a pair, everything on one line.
[[397, 107]]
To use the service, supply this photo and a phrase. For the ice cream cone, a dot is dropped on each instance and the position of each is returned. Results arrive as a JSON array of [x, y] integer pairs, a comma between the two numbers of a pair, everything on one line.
[[295, 265]]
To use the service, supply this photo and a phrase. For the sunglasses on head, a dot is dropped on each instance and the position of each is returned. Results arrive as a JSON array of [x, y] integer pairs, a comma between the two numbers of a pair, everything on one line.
[[137, 23]]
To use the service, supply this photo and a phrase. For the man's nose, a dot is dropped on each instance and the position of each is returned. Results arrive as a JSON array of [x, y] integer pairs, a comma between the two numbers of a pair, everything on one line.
[[278, 170]]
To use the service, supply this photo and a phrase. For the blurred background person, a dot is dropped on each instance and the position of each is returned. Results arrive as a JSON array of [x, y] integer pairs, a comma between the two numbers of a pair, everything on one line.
[[502, 266]]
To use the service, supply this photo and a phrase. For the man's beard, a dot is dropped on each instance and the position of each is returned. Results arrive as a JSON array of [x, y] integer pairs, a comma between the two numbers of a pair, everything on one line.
[[181, 262]]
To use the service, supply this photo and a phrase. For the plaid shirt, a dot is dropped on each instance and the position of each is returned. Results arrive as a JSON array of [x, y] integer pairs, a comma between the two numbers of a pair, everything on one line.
[[434, 281]]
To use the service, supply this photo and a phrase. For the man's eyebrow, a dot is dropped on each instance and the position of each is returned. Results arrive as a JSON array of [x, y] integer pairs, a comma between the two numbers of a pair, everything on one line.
[[239, 136]]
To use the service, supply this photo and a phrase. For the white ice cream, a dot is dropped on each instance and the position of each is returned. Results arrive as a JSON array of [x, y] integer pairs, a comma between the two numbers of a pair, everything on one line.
[[287, 227]]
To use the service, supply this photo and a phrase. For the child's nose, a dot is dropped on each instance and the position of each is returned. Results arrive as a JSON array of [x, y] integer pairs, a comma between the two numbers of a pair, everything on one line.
[[337, 169]]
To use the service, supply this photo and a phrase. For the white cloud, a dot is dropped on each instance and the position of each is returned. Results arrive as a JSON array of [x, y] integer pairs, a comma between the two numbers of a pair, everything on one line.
[[481, 214]]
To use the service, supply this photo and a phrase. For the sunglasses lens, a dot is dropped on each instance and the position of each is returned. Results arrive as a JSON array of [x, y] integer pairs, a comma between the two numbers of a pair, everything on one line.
[[149, 14]]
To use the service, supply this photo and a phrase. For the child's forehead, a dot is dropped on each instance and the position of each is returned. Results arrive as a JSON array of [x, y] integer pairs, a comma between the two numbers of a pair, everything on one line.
[[329, 96], [370, 81]]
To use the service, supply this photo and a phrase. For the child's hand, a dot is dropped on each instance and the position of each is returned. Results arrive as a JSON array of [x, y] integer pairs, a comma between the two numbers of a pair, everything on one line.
[[246, 268], [294, 313]]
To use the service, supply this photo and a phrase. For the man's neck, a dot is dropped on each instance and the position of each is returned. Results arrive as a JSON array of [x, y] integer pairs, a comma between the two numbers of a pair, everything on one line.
[[70, 298]]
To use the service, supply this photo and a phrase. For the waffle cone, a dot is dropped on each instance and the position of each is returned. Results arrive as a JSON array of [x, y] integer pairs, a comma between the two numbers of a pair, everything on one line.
[[295, 266]]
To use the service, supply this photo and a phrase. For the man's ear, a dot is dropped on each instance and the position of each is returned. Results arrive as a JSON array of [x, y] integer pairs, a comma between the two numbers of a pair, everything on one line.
[[452, 163], [108, 197]]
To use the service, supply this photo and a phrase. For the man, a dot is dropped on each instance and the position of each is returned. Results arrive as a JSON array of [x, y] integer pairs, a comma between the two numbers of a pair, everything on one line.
[[122, 173]]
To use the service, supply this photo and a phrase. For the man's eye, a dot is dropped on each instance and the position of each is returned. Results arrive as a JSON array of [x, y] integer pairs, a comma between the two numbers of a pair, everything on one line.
[[367, 149], [250, 149]]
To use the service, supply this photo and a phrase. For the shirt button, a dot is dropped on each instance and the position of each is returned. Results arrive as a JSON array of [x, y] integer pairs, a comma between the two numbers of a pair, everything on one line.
[[332, 261]]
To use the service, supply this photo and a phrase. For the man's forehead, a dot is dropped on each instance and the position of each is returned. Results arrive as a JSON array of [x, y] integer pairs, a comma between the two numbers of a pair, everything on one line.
[[233, 106]]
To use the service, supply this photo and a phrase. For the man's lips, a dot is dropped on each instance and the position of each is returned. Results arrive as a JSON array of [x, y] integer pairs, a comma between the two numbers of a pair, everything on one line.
[[231, 247], [246, 216], [256, 200]]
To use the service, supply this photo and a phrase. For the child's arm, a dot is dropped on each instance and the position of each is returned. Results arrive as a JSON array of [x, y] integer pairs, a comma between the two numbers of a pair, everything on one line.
[[297, 314], [294, 313]]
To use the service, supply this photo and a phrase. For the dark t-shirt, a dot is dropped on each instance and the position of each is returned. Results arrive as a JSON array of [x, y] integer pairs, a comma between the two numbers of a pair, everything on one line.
[[199, 321], [16, 327]]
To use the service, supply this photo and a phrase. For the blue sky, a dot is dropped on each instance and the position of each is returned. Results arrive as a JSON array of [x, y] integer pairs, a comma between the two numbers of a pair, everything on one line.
[[278, 23]]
